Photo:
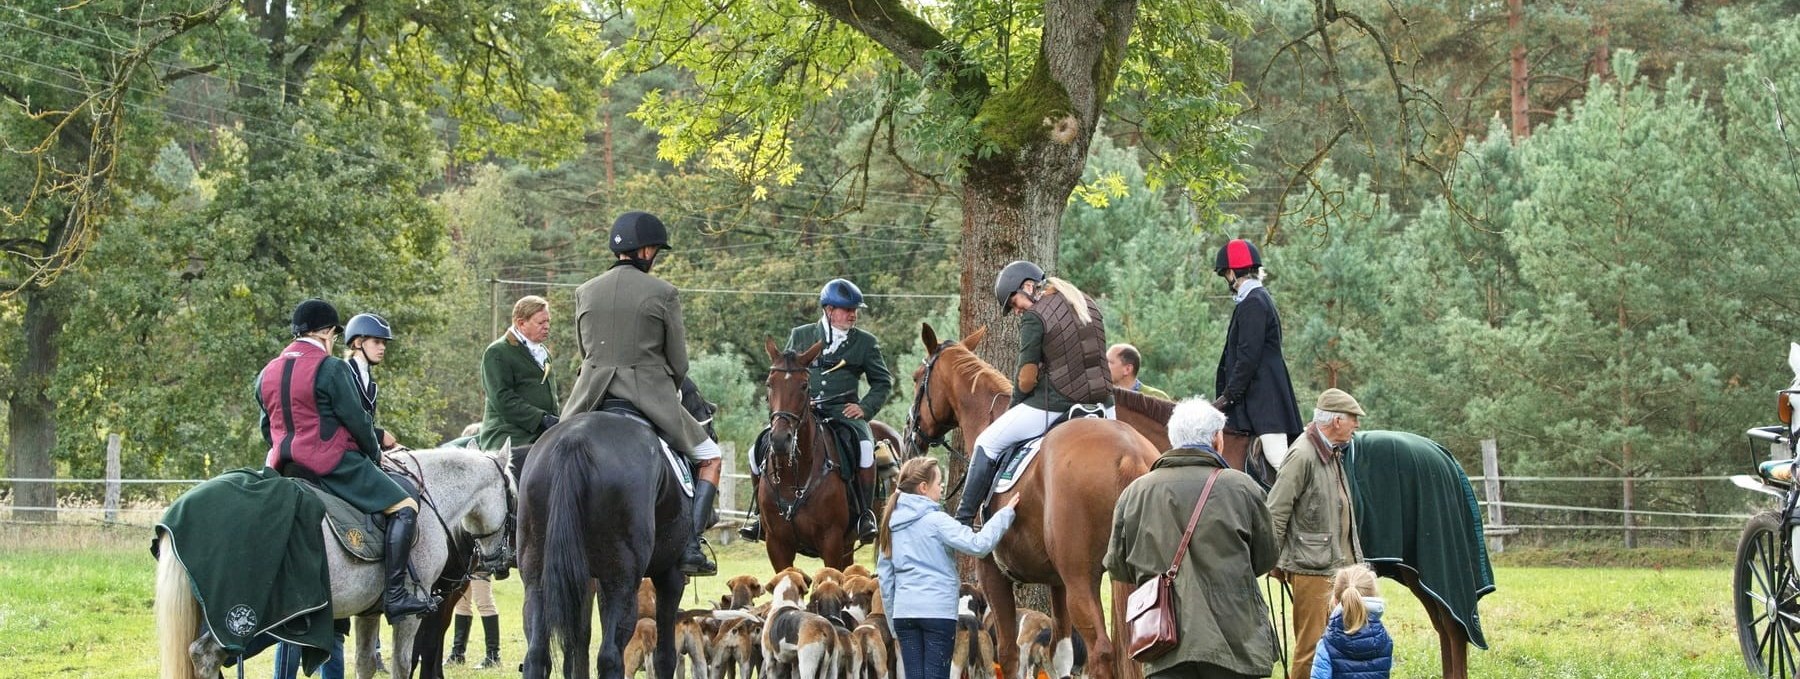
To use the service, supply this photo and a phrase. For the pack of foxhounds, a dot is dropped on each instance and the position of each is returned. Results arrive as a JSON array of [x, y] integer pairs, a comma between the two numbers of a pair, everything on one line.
[[829, 624]]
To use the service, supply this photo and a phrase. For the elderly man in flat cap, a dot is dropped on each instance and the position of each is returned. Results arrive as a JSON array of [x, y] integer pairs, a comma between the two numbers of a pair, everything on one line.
[[1314, 525]]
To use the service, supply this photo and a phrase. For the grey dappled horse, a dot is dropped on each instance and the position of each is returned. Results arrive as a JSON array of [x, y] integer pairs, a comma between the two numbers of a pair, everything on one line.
[[469, 488]]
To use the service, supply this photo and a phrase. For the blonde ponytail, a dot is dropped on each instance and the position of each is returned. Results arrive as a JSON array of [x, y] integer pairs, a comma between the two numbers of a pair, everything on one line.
[[1348, 588], [1075, 296]]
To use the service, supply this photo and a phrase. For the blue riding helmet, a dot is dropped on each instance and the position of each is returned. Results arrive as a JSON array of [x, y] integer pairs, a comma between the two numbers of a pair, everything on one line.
[[367, 325], [842, 294]]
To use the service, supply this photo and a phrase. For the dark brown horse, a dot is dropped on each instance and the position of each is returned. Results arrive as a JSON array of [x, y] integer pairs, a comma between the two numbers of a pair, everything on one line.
[[803, 500], [1150, 416], [1064, 516]]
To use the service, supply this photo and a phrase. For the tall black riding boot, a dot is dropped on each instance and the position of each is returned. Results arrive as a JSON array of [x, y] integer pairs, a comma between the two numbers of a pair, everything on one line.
[[752, 528], [399, 600], [976, 485], [865, 498], [459, 640], [490, 629], [694, 561]]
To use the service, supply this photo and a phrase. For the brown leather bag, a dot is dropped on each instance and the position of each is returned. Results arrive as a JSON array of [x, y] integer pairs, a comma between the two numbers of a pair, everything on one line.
[[1150, 612]]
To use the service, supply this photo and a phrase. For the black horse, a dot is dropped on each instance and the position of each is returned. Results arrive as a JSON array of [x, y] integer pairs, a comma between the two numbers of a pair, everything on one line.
[[599, 501]]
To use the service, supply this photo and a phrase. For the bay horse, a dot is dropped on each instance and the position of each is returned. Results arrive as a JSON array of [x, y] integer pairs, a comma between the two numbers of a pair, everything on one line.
[[1064, 517], [600, 502], [804, 502], [470, 489], [1150, 416]]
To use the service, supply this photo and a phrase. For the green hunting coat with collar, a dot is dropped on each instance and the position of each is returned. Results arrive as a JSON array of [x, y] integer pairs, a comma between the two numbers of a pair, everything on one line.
[[519, 394], [634, 347], [833, 379], [1220, 613], [1315, 520]]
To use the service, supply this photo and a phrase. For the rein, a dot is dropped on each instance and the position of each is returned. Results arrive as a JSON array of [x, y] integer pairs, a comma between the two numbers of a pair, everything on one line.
[[814, 474], [915, 427], [416, 473]]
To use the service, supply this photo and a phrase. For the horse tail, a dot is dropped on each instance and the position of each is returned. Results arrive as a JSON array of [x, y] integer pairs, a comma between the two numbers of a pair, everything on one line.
[[177, 613], [1127, 667], [565, 575]]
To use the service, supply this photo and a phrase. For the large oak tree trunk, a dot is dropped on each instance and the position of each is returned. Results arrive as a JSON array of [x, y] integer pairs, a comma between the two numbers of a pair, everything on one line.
[[31, 421]]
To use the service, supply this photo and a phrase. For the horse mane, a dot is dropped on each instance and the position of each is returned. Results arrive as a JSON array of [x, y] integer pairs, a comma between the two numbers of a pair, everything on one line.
[[975, 371], [1143, 404]]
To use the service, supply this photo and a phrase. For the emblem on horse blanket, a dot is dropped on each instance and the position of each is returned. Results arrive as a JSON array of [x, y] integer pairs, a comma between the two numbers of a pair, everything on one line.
[[249, 540], [362, 535], [1415, 510]]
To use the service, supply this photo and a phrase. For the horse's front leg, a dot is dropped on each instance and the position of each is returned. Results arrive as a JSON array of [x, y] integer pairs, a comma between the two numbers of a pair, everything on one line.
[[366, 629], [999, 591], [400, 646]]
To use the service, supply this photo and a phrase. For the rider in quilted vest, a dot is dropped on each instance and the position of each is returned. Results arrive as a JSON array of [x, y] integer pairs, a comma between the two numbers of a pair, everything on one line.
[[314, 422], [1062, 366]]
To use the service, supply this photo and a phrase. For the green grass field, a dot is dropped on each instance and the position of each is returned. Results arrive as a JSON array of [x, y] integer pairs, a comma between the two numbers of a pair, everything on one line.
[[76, 603]]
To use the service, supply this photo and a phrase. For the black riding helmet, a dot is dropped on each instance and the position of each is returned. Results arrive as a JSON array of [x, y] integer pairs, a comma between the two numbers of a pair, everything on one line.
[[367, 325], [1011, 278], [634, 230], [314, 314]]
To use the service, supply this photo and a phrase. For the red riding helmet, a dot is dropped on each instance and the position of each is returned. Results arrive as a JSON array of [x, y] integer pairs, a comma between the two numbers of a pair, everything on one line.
[[1237, 254]]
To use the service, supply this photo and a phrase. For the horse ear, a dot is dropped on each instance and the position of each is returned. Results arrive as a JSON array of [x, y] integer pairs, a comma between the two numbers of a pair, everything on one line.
[[974, 339], [769, 346], [1794, 358], [812, 352], [928, 337]]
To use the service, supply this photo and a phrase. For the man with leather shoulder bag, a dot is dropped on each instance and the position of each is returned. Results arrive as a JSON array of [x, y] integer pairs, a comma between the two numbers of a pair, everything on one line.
[[1219, 616]]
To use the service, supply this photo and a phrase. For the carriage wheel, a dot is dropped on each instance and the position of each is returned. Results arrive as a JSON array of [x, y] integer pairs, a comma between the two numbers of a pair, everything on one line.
[[1767, 600]]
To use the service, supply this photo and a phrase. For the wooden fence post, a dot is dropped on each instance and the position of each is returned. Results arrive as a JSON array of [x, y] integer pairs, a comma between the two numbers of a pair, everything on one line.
[[112, 477], [1490, 477], [728, 491]]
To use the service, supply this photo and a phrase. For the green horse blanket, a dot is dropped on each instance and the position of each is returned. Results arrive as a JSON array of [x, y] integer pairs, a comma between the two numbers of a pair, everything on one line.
[[1416, 510], [251, 543]]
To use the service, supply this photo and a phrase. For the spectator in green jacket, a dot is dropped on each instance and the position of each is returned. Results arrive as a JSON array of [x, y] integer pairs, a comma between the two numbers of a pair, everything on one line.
[[1123, 360], [515, 374]]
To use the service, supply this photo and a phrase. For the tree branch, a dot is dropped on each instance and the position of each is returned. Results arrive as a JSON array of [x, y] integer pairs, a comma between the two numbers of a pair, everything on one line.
[[912, 40], [314, 49], [188, 72]]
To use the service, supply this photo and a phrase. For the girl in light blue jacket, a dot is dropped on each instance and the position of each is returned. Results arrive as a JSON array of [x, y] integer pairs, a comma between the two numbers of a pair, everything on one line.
[[917, 573]]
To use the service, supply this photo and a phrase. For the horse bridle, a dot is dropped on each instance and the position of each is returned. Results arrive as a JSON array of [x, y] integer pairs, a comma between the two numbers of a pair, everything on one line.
[[502, 556], [785, 415], [915, 429]]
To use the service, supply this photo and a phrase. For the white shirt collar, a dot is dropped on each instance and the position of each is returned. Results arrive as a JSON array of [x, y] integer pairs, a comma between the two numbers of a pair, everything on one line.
[[360, 367], [1245, 285], [834, 337], [538, 352], [313, 341]]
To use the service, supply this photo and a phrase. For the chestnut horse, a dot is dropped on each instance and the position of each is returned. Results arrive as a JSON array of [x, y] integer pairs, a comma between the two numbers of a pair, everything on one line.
[[803, 500], [1064, 517], [1150, 416]]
